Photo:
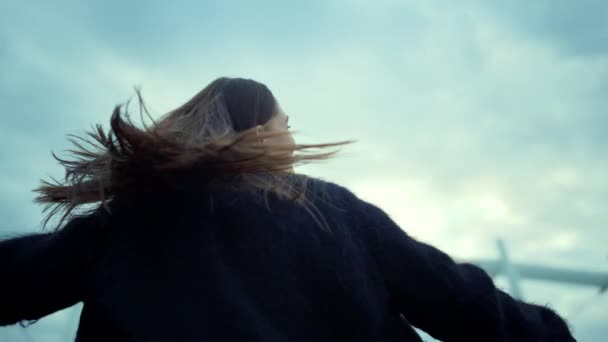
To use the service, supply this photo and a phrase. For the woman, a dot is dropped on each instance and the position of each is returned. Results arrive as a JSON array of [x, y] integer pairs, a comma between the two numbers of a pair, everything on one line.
[[203, 233]]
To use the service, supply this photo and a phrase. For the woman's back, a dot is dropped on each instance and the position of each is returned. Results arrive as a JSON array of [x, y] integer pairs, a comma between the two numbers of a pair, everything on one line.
[[240, 272]]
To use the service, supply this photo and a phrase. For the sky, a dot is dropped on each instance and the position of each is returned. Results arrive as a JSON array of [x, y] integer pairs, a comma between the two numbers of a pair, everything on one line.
[[474, 120]]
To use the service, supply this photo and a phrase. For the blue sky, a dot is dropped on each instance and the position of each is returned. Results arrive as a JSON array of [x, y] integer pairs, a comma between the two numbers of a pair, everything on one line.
[[475, 119]]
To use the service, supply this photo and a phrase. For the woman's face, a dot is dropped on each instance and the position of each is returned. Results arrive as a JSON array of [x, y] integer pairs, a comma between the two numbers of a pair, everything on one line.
[[280, 123]]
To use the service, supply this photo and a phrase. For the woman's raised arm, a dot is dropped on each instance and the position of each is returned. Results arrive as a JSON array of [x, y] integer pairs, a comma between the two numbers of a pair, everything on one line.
[[448, 300]]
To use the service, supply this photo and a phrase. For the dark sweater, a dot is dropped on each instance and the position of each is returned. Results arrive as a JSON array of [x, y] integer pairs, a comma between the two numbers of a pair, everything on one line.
[[229, 269]]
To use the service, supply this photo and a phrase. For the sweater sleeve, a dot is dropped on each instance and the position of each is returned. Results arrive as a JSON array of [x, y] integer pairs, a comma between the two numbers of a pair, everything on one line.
[[45, 272], [451, 301]]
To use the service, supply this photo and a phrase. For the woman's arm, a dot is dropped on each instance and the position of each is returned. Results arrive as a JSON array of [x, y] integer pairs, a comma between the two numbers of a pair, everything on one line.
[[44, 273], [450, 301]]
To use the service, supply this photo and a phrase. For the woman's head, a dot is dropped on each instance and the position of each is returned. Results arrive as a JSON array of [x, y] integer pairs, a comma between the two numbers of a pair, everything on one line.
[[229, 106], [233, 128], [249, 103]]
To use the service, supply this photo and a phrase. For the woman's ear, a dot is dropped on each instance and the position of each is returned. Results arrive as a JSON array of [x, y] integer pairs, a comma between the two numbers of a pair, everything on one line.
[[258, 131]]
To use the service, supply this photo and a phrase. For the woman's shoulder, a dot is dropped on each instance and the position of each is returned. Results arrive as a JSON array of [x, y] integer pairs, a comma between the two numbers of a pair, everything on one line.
[[337, 193], [328, 190]]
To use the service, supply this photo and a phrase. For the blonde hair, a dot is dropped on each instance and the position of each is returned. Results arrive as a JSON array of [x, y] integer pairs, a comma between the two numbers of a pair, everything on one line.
[[196, 142]]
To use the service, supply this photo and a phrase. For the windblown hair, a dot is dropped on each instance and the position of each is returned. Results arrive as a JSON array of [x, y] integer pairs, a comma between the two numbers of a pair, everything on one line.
[[210, 139]]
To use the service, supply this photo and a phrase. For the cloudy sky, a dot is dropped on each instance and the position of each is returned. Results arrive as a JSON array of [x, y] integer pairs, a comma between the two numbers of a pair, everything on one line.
[[475, 120]]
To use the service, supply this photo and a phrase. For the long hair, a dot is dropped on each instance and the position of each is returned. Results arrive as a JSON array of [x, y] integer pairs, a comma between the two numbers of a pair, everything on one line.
[[210, 139]]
